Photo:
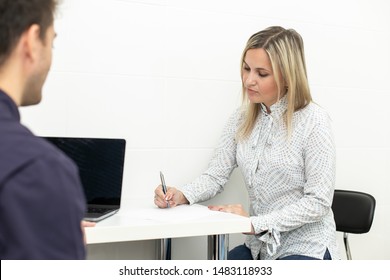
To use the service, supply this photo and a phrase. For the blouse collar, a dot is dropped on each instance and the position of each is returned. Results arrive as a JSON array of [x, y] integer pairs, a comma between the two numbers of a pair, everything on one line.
[[276, 109]]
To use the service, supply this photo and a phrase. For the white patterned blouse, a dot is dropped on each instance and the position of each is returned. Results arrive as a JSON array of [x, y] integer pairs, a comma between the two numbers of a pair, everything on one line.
[[290, 182]]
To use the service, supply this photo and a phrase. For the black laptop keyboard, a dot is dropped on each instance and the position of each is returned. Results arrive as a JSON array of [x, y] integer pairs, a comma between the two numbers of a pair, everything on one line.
[[98, 210]]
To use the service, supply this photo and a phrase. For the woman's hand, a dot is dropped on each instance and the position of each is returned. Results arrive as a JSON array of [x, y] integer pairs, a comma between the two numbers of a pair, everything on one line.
[[234, 209], [230, 208], [173, 197]]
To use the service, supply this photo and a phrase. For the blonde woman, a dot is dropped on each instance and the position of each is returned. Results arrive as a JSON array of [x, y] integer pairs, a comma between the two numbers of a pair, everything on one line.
[[283, 143]]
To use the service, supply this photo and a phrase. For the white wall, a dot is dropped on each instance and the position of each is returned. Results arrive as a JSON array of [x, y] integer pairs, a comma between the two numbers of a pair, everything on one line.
[[164, 74]]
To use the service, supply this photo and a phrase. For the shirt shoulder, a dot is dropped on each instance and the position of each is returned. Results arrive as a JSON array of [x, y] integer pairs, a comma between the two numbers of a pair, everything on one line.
[[236, 118], [313, 115], [316, 112], [19, 147]]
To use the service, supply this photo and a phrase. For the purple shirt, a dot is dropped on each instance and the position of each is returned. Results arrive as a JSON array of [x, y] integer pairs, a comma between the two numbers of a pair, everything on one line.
[[41, 199]]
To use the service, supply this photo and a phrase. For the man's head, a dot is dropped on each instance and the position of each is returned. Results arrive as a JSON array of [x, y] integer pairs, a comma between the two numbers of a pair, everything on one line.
[[26, 37]]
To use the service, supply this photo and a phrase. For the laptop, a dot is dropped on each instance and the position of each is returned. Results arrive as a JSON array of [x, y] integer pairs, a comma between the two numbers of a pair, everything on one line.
[[100, 162]]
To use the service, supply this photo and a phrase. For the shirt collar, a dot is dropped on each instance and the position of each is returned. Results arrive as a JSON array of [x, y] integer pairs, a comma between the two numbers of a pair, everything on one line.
[[8, 107], [276, 109]]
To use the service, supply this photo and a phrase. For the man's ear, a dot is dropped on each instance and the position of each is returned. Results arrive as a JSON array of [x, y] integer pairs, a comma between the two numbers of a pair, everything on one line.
[[31, 44]]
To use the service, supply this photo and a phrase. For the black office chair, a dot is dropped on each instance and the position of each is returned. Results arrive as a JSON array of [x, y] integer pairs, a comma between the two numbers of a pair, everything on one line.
[[353, 213]]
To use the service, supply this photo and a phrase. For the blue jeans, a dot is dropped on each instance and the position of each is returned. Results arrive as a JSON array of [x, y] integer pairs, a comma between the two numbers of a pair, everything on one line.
[[242, 252]]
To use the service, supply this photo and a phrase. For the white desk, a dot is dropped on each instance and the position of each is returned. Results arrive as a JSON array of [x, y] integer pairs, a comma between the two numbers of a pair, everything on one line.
[[182, 221]]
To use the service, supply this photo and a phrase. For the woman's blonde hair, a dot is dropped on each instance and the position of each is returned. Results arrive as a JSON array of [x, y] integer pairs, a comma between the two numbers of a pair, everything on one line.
[[286, 53]]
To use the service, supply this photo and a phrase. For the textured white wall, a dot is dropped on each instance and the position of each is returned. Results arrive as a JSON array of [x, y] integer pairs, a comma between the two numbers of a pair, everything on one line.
[[165, 76]]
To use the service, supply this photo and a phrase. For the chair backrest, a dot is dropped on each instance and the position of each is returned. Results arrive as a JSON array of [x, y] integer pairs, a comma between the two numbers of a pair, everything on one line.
[[353, 211]]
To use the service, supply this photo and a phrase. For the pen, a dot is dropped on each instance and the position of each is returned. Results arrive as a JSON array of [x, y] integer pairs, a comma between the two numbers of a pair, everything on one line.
[[164, 187]]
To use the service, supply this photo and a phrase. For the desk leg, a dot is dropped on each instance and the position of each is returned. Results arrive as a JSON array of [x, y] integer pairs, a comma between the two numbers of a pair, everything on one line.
[[218, 247], [164, 249]]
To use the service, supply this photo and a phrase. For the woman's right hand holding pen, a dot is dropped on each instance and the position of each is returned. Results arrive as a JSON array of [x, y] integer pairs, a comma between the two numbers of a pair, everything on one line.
[[173, 197]]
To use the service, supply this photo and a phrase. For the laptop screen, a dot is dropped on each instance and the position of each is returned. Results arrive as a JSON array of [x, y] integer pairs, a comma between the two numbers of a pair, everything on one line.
[[100, 162]]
